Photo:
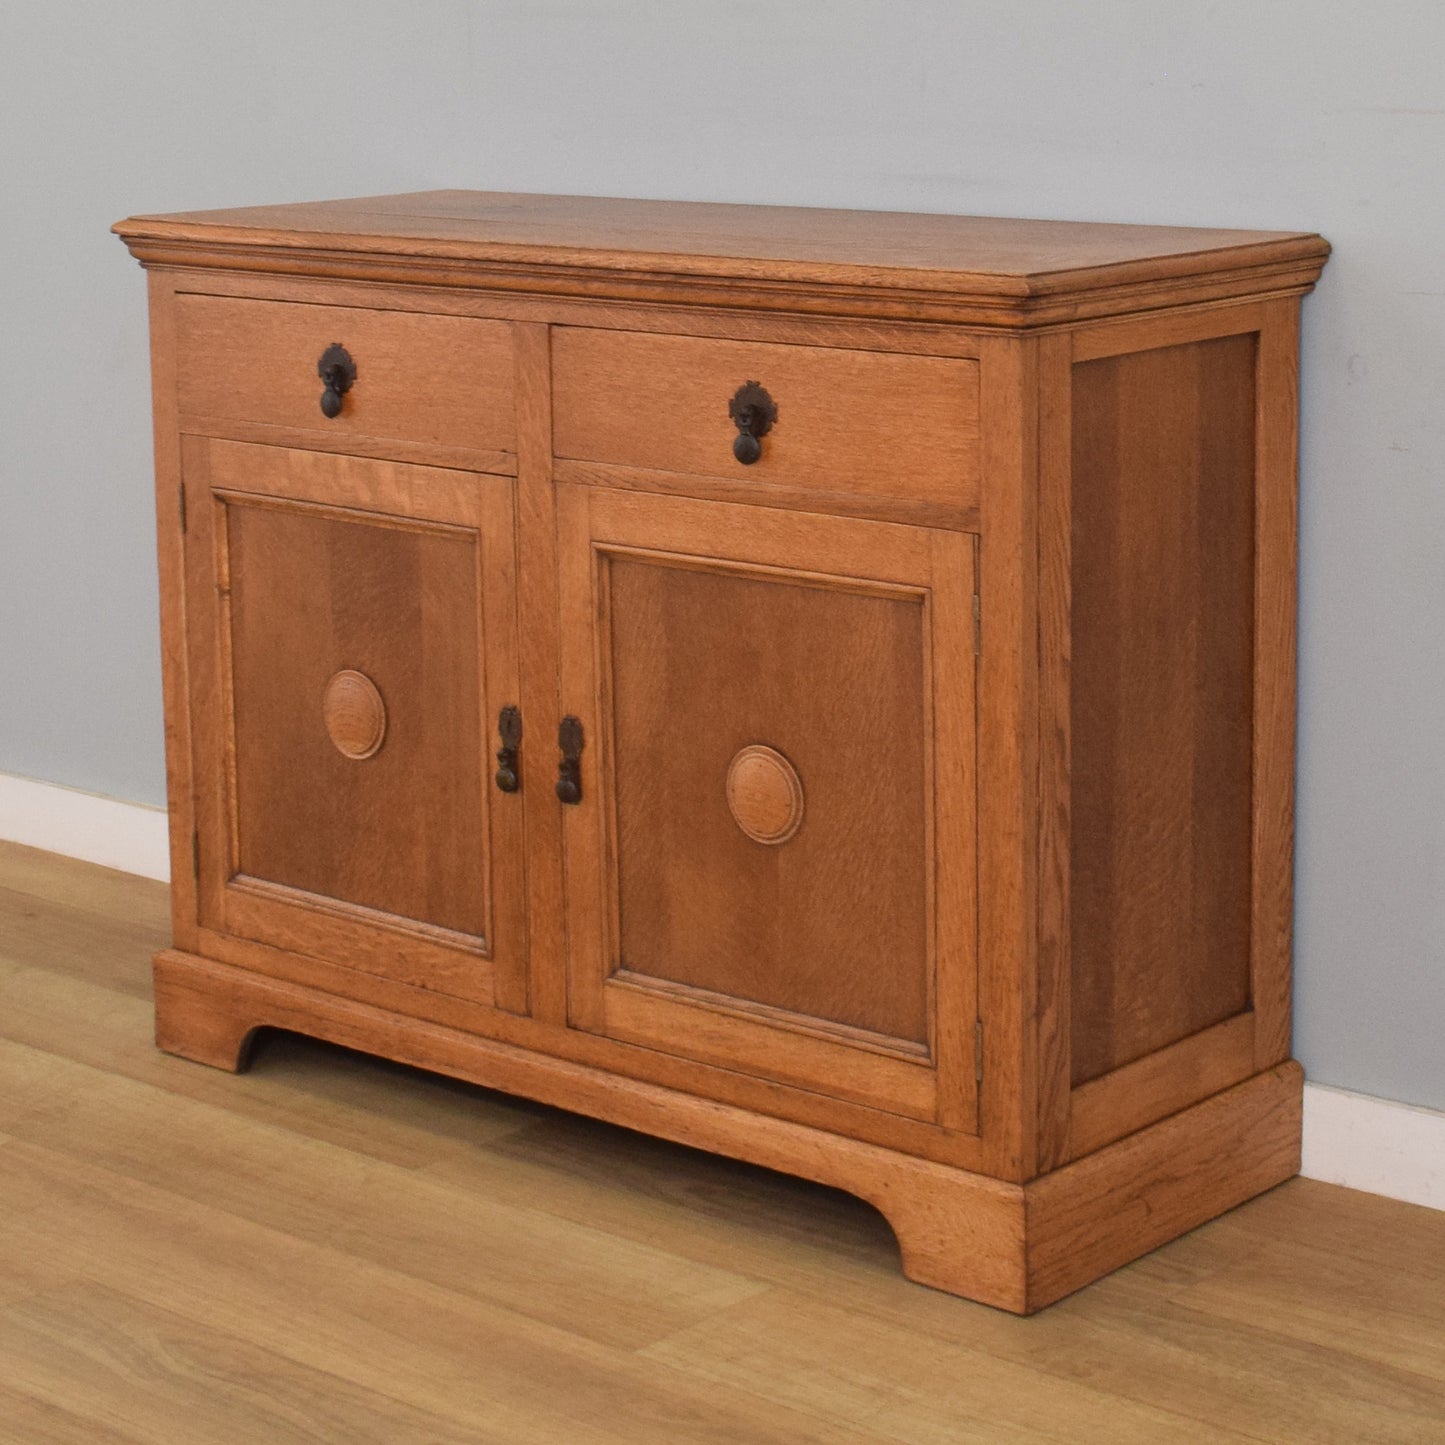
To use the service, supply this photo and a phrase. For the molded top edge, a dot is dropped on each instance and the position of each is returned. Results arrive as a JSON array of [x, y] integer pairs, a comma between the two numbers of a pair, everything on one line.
[[982, 255]]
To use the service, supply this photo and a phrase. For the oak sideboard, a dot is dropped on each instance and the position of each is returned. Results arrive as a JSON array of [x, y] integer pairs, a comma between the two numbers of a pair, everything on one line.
[[813, 685]]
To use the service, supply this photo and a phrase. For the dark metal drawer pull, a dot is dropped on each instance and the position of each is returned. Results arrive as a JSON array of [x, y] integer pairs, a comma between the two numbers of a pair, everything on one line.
[[337, 372], [753, 412]]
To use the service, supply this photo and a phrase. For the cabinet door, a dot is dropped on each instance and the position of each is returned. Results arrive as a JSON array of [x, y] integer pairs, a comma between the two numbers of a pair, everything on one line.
[[352, 642], [771, 867]]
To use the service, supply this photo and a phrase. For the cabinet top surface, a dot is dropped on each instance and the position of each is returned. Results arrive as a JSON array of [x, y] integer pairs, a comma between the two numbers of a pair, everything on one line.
[[1009, 262]]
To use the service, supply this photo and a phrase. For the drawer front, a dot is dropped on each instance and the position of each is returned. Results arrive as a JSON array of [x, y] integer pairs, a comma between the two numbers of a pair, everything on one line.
[[880, 424], [421, 379]]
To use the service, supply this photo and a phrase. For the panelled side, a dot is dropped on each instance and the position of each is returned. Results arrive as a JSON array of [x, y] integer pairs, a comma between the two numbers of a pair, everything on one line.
[[1161, 697], [1166, 629]]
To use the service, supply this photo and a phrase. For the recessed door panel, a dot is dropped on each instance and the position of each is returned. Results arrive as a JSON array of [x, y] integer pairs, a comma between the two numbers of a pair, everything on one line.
[[354, 644], [779, 713], [357, 710], [706, 664]]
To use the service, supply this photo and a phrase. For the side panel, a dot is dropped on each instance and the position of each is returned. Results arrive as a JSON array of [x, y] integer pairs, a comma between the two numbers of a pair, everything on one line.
[[1161, 697], [1167, 526]]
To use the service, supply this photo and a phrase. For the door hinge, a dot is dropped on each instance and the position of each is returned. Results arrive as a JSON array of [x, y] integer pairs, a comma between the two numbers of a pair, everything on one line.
[[196, 853], [181, 503], [978, 1051], [977, 608]]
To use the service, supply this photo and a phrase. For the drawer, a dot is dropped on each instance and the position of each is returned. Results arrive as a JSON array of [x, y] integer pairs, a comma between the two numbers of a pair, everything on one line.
[[883, 424], [428, 380]]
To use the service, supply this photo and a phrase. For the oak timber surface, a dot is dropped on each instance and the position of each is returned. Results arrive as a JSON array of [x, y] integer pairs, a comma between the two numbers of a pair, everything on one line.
[[803, 926], [333, 1248], [1014, 257], [1161, 658]]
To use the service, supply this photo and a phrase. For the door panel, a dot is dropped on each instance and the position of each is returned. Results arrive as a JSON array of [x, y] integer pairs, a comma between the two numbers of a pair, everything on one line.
[[853, 872], [353, 642], [754, 873]]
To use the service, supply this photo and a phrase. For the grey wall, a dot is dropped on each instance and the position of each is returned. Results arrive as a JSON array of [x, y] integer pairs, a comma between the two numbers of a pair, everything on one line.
[[1297, 114]]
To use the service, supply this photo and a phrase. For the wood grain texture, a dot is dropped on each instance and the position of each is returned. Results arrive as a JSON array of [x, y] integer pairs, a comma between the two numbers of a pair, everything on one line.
[[1111, 1207], [298, 438], [985, 603], [920, 338], [171, 521], [700, 898], [489, 1371], [28, 1421], [776, 1310], [957, 1230], [532, 1277], [428, 379], [1161, 667], [978, 269], [109, 1359], [788, 1348], [1008, 753], [830, 1112], [765, 795], [1019, 1247], [894, 426], [759, 492], [1276, 556], [1175, 327], [195, 1029], [304, 565], [1055, 584], [543, 989], [354, 713], [718, 628], [1149, 1089], [1162, 1081], [311, 587]]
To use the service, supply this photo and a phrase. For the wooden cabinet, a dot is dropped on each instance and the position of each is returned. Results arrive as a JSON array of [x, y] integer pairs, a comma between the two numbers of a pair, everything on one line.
[[813, 686]]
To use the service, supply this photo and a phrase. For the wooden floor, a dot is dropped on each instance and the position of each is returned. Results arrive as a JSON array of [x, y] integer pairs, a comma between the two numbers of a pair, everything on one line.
[[332, 1248]]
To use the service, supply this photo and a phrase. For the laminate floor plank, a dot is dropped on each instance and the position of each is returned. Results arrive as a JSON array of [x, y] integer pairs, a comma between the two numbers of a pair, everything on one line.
[[443, 1352], [1293, 1289], [1367, 1228], [367, 1105], [156, 1375], [773, 1227], [619, 1292], [340, 1245], [25, 1420], [75, 942], [822, 1246], [810, 1355], [22, 1273], [86, 887]]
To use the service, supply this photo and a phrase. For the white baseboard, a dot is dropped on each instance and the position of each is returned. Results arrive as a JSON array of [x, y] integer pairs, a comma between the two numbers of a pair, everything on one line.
[[1352, 1139], [128, 836], [1374, 1144]]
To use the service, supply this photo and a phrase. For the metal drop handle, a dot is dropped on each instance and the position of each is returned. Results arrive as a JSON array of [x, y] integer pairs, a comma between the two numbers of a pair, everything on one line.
[[753, 412], [569, 770], [337, 372], [509, 730]]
